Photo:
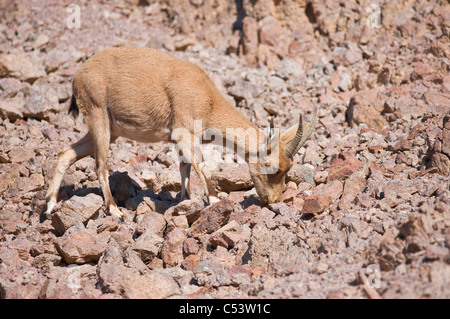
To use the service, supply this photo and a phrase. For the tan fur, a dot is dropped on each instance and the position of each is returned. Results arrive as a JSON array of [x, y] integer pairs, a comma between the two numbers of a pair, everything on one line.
[[144, 94]]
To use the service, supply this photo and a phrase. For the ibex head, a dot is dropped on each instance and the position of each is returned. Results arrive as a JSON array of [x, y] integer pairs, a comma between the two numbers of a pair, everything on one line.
[[269, 172]]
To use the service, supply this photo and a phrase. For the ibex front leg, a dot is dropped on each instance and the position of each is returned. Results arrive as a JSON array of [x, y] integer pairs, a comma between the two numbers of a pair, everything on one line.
[[190, 157]]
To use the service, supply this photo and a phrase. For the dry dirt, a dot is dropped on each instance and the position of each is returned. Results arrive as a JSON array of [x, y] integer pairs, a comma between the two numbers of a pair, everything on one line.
[[365, 210]]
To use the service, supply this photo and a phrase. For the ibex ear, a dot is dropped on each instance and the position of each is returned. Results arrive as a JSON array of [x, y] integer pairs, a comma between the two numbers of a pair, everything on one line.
[[289, 134], [273, 136], [271, 128]]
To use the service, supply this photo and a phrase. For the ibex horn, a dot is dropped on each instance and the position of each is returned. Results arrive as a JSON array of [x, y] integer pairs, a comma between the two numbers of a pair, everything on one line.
[[300, 136]]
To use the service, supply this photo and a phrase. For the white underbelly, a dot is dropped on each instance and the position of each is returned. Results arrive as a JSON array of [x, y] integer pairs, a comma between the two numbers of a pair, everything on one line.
[[140, 135]]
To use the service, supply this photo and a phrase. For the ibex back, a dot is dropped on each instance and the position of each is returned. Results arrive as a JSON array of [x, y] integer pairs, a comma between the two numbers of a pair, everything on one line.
[[146, 95]]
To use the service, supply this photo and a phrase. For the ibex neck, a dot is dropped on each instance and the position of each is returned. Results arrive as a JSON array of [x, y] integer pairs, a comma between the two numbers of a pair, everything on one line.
[[239, 134]]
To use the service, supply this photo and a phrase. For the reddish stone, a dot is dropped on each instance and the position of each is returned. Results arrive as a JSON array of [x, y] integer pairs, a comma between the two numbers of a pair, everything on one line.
[[232, 177], [190, 246], [249, 213], [172, 249], [315, 204], [289, 195], [250, 39], [79, 247], [270, 31], [231, 238], [217, 240], [190, 262], [212, 218], [341, 169]]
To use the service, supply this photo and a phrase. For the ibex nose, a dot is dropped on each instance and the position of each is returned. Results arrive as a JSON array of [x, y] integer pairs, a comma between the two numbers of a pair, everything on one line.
[[264, 200], [269, 199], [272, 198]]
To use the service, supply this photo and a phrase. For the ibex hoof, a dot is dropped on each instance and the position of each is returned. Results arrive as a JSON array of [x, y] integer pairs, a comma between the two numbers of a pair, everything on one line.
[[115, 211], [47, 215], [50, 205]]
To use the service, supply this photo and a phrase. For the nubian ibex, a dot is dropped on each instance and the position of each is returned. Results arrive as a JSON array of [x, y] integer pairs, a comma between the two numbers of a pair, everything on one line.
[[148, 96]]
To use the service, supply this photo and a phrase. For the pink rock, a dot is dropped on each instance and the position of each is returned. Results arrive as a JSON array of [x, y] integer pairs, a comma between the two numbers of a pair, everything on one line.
[[190, 262], [11, 108], [129, 283], [348, 55], [20, 283], [270, 31], [366, 107], [231, 238], [190, 246], [151, 221], [19, 65], [212, 218], [334, 189], [43, 101], [76, 209], [172, 250], [250, 39], [232, 177], [249, 213], [354, 185], [218, 240], [148, 245], [20, 154], [79, 247], [341, 169]]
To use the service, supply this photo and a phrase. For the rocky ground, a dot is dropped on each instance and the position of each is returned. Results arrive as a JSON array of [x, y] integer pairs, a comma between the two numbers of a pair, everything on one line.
[[365, 211]]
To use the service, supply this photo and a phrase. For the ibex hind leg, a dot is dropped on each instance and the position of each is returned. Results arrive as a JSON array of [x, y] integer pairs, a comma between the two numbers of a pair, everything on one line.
[[99, 127], [205, 176], [185, 172], [67, 157], [203, 173], [206, 179], [185, 169]]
